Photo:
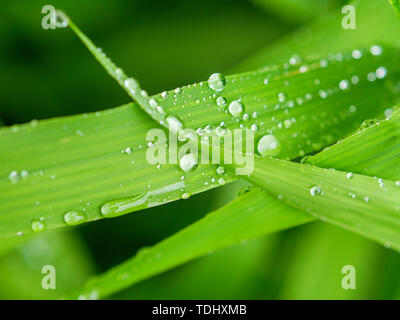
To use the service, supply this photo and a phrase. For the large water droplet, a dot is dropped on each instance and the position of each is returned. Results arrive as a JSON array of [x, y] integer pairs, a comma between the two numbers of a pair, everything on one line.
[[216, 82], [188, 162], [268, 145], [73, 217], [236, 108]]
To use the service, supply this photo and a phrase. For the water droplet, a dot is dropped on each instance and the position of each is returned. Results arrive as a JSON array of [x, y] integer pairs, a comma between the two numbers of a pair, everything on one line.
[[164, 94], [398, 183], [266, 81], [236, 108], [174, 124], [220, 170], [216, 82], [61, 19], [127, 150], [254, 127], [352, 108], [38, 225], [376, 50], [281, 97], [73, 217], [315, 190], [24, 174], [268, 145], [371, 76], [153, 103], [221, 181], [381, 72], [185, 195], [344, 84], [13, 176], [349, 175], [221, 101], [131, 84], [357, 54], [188, 162]]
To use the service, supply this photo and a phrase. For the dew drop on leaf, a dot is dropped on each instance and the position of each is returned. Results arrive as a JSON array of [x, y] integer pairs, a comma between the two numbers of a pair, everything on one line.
[[315, 190], [220, 170], [38, 225], [73, 217], [174, 124], [236, 108], [221, 101], [216, 82], [13, 176], [349, 175], [268, 145], [185, 195], [188, 162]]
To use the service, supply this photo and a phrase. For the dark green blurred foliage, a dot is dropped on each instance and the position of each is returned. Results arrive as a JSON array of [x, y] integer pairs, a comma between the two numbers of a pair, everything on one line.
[[48, 73]]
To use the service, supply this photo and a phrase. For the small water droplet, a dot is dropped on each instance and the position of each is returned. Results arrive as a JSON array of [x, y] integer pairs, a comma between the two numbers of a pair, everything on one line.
[[357, 54], [376, 50], [221, 102], [174, 124], [185, 195], [221, 181], [220, 170], [381, 72], [38, 225], [13, 176], [344, 84], [349, 175], [131, 84], [315, 190]]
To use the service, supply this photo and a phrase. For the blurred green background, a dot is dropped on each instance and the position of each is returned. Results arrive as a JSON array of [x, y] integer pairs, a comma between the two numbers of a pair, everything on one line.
[[165, 44]]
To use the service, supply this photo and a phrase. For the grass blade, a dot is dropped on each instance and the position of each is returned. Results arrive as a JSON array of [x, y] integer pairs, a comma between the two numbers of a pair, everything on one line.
[[252, 215]]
